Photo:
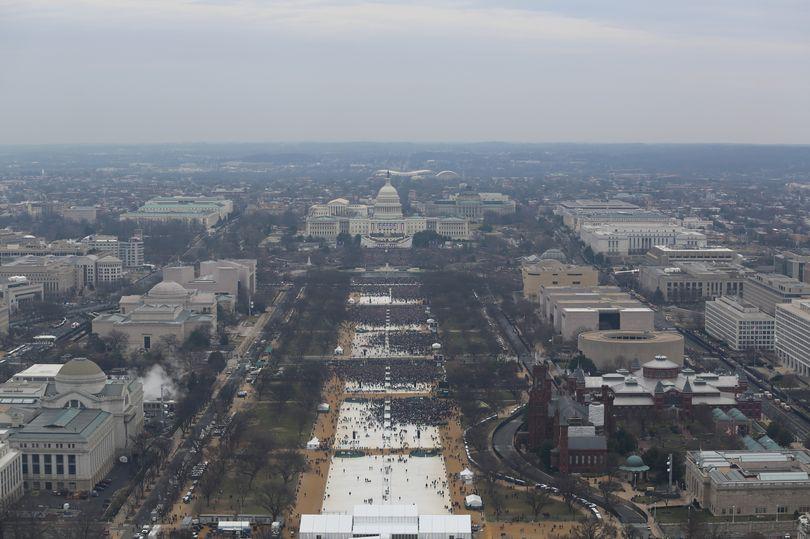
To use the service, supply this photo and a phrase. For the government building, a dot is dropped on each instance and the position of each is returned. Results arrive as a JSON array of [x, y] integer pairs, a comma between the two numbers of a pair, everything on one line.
[[379, 225]]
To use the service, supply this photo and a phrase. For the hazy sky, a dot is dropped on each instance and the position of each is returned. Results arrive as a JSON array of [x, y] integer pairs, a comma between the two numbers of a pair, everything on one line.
[[533, 70]]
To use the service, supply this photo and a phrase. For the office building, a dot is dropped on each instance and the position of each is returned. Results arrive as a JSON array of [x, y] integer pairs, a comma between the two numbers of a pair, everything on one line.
[[11, 478], [79, 214], [793, 265], [739, 324], [767, 290], [472, 206], [207, 211], [793, 335], [663, 255], [17, 291], [749, 483], [31, 246], [551, 272], [130, 252], [167, 311], [56, 275], [629, 239], [692, 281]]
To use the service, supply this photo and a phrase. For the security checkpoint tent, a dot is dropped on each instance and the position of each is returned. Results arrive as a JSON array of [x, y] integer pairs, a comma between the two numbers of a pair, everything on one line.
[[466, 475], [325, 527], [444, 526], [473, 501]]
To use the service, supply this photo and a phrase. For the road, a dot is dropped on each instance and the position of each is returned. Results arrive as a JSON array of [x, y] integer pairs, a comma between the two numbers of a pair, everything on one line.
[[504, 447], [183, 452]]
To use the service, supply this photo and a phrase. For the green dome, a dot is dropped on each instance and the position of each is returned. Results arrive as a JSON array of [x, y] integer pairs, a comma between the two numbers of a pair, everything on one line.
[[634, 461]]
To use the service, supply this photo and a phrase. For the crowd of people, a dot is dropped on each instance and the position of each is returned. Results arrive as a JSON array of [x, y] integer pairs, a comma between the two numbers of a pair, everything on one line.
[[395, 315], [396, 291], [420, 411], [402, 373]]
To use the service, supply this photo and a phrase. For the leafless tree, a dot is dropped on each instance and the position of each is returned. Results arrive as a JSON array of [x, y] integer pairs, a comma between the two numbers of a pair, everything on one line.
[[537, 500]]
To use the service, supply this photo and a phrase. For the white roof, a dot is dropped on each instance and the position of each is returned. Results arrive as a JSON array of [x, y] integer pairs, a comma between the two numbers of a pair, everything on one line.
[[445, 524], [385, 510], [40, 370], [474, 500], [326, 524]]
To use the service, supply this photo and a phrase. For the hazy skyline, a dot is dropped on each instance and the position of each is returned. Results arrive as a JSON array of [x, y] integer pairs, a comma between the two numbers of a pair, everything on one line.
[[133, 71]]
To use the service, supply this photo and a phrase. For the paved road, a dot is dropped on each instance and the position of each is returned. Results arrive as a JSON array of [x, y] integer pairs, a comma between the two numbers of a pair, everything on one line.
[[504, 447]]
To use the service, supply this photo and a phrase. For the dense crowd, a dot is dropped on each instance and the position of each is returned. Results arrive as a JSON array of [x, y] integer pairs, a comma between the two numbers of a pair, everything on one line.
[[383, 280], [396, 291], [376, 315], [412, 343], [402, 372], [420, 411]]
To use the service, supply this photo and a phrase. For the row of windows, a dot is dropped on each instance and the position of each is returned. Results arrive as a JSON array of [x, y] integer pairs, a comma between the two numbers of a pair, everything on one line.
[[45, 465]]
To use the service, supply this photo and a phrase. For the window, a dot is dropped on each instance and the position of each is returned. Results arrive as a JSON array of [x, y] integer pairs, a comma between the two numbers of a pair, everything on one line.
[[72, 464], [35, 465], [760, 510], [147, 342], [48, 465], [781, 509], [60, 465], [25, 463]]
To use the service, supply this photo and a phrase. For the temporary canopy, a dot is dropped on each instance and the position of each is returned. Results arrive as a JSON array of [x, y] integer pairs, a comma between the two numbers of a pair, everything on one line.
[[339, 350], [466, 475], [436, 346], [473, 501], [314, 443], [323, 407]]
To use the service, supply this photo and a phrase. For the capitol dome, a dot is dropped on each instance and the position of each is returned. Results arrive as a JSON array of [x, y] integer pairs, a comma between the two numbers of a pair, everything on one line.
[[387, 205], [554, 254], [167, 289], [80, 374]]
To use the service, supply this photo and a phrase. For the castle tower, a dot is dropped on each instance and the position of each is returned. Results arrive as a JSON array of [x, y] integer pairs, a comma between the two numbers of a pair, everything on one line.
[[607, 401], [564, 464], [537, 412]]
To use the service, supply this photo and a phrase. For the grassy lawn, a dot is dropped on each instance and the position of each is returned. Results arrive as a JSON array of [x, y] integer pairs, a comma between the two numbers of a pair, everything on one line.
[[283, 423], [515, 507]]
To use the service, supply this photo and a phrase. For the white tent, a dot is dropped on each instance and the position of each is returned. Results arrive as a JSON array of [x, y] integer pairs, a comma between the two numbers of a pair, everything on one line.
[[466, 475], [473, 501], [314, 443], [339, 351], [436, 346], [323, 407]]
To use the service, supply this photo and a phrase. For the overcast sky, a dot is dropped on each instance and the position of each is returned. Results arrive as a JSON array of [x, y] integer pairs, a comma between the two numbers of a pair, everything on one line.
[[124, 71]]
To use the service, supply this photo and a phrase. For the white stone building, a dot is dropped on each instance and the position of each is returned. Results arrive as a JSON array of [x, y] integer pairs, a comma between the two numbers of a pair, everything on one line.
[[11, 478], [793, 335], [382, 225], [739, 324], [168, 310], [229, 277]]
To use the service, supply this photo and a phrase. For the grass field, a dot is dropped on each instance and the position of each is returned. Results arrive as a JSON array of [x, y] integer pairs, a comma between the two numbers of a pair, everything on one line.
[[516, 508]]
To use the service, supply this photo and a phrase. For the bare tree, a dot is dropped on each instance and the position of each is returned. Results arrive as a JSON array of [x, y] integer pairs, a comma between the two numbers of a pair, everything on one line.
[[594, 529], [537, 500], [276, 498], [289, 463]]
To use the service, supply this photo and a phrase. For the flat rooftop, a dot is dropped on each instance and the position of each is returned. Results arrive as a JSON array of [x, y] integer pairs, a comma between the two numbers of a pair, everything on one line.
[[39, 370], [754, 467]]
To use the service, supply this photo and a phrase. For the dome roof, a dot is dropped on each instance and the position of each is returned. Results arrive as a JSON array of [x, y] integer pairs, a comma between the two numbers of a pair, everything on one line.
[[661, 362], [80, 366], [634, 461], [554, 254], [387, 191], [168, 288], [341, 201], [80, 374]]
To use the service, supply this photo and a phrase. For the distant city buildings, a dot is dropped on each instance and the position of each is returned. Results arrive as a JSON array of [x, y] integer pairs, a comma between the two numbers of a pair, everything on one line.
[[793, 265], [739, 324], [381, 225], [167, 311], [619, 349], [767, 290], [793, 335], [221, 277], [207, 211], [62, 275], [32, 246], [692, 281], [470, 205], [17, 291], [663, 255], [576, 309], [130, 252], [552, 272]]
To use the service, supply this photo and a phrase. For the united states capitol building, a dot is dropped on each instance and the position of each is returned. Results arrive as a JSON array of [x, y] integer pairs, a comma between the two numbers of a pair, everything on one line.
[[381, 224]]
